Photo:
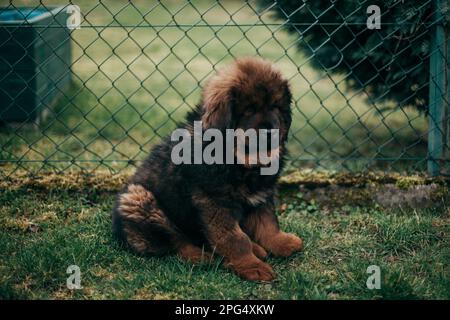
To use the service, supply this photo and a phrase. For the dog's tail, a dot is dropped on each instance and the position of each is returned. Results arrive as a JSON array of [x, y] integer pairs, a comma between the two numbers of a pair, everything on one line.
[[139, 223]]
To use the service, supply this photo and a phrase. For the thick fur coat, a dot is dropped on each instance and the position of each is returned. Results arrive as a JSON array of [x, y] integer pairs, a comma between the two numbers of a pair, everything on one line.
[[200, 210]]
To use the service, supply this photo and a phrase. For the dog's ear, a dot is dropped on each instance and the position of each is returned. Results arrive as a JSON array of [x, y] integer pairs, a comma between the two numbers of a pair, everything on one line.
[[286, 112], [217, 98]]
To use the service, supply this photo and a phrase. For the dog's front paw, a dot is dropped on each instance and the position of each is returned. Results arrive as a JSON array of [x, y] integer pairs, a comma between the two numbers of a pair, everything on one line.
[[253, 269], [285, 244], [259, 251]]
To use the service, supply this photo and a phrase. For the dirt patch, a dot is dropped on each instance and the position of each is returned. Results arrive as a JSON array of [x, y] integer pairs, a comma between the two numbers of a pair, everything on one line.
[[389, 196], [325, 188], [71, 180], [418, 196], [331, 190]]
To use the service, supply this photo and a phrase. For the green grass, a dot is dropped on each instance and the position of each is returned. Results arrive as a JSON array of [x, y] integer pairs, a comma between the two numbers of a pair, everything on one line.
[[131, 84], [73, 227]]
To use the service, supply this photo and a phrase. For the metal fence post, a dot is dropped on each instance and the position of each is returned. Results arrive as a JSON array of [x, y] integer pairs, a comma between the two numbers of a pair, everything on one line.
[[438, 134]]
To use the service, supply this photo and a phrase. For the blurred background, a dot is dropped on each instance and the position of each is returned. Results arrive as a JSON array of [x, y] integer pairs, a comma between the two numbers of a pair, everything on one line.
[[134, 68]]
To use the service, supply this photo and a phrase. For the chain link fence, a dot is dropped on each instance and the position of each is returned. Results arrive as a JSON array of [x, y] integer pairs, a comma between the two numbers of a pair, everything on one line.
[[99, 91]]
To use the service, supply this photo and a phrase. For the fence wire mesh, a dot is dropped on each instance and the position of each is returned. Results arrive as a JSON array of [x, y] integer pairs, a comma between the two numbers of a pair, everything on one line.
[[101, 95]]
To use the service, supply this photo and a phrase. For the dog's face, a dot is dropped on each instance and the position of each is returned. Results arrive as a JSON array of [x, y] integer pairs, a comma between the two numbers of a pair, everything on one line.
[[262, 107], [250, 94]]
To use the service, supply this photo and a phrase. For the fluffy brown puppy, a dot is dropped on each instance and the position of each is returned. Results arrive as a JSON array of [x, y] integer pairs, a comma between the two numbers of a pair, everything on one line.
[[195, 209]]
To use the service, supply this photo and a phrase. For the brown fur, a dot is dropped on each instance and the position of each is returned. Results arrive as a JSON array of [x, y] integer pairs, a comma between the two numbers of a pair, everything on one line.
[[262, 226], [198, 211], [139, 209], [194, 254]]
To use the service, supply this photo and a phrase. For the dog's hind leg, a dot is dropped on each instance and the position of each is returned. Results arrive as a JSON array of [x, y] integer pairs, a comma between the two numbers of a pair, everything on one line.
[[140, 224]]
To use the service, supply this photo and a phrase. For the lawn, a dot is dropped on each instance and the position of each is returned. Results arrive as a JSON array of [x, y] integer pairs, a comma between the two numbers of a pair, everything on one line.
[[48, 224], [132, 82]]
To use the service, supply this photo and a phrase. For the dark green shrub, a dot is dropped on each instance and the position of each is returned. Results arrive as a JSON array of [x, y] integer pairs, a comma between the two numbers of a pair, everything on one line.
[[388, 64]]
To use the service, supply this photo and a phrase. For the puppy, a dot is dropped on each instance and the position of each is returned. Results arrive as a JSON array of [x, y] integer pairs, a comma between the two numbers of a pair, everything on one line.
[[193, 210]]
